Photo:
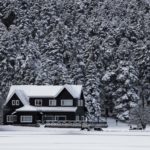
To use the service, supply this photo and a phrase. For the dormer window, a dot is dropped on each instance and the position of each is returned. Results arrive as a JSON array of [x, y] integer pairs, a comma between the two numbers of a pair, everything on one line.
[[15, 102], [38, 102]]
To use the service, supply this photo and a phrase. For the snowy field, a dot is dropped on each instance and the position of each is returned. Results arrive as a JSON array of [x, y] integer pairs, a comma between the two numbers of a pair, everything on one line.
[[113, 138]]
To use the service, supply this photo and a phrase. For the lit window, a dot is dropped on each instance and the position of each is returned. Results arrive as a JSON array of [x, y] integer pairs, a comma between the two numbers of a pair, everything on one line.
[[68, 102], [26, 119], [38, 102], [52, 102]]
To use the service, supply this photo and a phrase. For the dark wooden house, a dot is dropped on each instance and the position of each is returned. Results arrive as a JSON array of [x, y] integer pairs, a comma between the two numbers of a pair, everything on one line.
[[31, 104]]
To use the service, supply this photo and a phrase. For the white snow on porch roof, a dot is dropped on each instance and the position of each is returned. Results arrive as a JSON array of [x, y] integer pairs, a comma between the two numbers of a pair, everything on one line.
[[46, 109], [44, 90]]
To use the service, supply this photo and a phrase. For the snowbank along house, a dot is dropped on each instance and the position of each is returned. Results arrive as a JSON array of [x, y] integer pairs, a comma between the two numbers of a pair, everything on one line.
[[29, 104]]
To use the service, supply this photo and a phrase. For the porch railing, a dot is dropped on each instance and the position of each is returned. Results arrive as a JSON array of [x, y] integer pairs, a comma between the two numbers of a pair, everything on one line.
[[76, 124]]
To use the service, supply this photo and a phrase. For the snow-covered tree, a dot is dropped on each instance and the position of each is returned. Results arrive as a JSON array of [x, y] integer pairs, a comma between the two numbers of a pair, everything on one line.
[[140, 116], [50, 42], [92, 92], [126, 94]]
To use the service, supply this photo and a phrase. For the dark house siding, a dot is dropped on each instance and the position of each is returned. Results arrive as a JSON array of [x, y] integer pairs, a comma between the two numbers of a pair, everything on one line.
[[37, 116], [69, 115], [33, 114], [45, 101], [63, 95], [9, 108]]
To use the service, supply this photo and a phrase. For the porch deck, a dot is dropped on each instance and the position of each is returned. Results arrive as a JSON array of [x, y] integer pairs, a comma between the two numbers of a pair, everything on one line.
[[75, 124]]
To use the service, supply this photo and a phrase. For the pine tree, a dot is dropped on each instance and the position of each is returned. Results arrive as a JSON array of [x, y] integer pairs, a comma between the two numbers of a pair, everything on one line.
[[92, 92], [126, 94], [140, 116]]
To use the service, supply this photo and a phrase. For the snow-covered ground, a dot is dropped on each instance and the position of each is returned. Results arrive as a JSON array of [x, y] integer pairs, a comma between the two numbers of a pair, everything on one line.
[[113, 138]]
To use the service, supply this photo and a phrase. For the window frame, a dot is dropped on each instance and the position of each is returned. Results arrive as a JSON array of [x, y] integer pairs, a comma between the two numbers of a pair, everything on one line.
[[9, 118], [52, 102], [66, 100], [77, 118], [17, 102], [80, 103], [38, 102], [58, 116], [22, 119], [13, 102]]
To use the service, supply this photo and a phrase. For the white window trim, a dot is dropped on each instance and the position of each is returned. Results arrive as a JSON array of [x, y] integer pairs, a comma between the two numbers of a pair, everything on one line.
[[9, 118], [17, 102], [80, 102], [52, 102], [38, 102], [77, 117], [24, 121], [13, 102], [66, 100]]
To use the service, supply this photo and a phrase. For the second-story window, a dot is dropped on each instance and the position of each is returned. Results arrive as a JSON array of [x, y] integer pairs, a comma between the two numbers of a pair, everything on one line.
[[68, 102], [80, 102], [38, 102], [52, 102], [15, 102]]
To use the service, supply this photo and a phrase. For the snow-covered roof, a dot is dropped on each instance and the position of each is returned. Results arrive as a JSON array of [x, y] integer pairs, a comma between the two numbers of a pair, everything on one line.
[[74, 90], [26, 91], [46, 109], [22, 96]]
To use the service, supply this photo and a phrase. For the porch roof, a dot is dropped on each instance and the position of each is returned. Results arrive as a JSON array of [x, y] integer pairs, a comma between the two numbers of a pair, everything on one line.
[[45, 109]]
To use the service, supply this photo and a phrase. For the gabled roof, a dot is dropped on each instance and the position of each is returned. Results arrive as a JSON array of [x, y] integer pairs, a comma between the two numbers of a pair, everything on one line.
[[22, 96], [26, 91], [74, 90]]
